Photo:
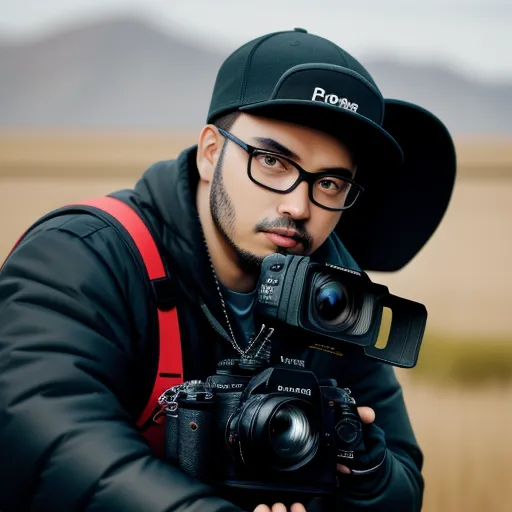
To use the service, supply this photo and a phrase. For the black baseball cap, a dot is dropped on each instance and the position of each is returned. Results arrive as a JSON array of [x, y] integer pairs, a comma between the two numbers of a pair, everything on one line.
[[306, 79]]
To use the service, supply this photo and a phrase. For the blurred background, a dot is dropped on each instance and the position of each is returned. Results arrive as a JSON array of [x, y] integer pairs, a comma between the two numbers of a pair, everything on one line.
[[94, 91]]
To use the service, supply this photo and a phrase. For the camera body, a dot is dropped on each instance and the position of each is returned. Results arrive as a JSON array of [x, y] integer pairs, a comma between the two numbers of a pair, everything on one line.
[[259, 427], [339, 304], [256, 426]]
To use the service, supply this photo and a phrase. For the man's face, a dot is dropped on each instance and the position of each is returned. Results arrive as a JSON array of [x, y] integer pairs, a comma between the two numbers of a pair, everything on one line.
[[257, 222]]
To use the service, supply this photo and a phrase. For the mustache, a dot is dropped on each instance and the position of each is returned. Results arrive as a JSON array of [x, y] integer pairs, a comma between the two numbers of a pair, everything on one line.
[[301, 234]]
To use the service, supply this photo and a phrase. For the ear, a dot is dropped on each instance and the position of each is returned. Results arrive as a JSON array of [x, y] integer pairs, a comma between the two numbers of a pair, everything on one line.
[[208, 151]]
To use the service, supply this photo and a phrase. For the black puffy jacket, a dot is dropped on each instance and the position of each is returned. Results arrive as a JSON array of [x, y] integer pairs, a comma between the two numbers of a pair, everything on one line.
[[78, 359]]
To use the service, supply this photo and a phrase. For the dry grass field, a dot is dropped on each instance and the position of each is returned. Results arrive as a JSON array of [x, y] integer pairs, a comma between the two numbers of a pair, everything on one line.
[[465, 436], [463, 276]]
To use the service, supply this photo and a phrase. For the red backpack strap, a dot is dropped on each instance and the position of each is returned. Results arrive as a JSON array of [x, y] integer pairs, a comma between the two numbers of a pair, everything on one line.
[[170, 365]]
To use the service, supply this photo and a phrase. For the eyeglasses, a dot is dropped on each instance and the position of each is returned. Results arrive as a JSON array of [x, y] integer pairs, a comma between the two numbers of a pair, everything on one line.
[[272, 171]]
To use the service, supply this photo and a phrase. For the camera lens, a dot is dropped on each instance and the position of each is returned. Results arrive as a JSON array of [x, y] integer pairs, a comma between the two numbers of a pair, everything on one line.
[[331, 301], [275, 432], [291, 435], [333, 306]]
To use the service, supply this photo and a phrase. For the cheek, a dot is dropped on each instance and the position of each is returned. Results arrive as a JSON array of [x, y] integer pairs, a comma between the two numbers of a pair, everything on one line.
[[247, 199], [321, 225]]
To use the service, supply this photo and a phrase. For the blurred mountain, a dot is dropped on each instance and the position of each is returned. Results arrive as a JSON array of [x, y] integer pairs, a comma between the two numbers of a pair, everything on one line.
[[126, 74], [120, 73], [465, 106]]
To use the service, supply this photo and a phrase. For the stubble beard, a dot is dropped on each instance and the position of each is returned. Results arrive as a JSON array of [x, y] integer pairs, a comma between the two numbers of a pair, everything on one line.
[[224, 217]]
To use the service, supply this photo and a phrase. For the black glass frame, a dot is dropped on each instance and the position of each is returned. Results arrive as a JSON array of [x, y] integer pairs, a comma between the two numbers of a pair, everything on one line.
[[309, 177]]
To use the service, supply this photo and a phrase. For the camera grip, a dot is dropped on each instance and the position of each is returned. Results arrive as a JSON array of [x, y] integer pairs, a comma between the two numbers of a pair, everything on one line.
[[195, 447], [171, 437]]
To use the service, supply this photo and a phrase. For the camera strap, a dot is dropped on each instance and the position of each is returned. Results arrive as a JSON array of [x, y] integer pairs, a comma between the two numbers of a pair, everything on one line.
[[130, 226]]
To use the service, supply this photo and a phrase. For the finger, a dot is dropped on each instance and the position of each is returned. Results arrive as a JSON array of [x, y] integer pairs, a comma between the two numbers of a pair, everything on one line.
[[278, 507], [342, 469], [367, 414], [298, 507], [262, 508]]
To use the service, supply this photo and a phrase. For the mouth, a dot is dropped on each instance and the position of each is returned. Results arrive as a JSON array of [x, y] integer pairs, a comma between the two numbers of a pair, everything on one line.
[[283, 237]]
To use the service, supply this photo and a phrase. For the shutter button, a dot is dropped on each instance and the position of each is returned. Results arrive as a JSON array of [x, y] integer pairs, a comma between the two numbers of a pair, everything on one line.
[[300, 30]]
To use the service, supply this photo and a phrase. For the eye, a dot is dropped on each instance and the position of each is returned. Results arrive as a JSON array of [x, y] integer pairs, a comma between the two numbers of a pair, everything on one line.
[[332, 186], [327, 184], [271, 162]]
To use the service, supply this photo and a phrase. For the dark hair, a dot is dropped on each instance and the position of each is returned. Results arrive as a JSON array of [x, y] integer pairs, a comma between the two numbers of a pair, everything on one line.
[[226, 121]]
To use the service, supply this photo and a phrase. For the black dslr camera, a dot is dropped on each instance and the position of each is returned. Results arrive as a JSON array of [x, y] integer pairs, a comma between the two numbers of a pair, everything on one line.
[[339, 304], [258, 427], [271, 428]]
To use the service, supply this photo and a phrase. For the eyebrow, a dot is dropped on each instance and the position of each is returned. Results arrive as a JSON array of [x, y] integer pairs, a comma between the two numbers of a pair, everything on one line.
[[277, 147], [341, 171]]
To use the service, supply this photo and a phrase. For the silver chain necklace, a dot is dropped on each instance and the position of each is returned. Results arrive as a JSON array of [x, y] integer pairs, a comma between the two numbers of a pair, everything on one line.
[[233, 341], [264, 334]]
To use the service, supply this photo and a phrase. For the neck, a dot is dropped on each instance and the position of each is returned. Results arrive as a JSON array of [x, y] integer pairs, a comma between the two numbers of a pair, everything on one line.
[[223, 255]]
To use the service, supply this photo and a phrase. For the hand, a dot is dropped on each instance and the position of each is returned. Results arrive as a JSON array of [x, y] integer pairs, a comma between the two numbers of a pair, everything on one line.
[[279, 507], [367, 415]]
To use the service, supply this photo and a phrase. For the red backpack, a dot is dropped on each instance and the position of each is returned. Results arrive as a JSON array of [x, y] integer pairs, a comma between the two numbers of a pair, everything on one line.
[[170, 365]]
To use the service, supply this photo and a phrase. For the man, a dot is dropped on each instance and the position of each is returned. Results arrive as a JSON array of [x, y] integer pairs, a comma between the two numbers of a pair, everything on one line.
[[296, 128]]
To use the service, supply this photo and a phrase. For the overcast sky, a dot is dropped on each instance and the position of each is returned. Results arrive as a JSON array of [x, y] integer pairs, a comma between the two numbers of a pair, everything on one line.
[[472, 36]]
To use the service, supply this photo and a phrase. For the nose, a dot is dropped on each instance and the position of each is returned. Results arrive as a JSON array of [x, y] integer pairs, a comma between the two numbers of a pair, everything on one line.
[[296, 203]]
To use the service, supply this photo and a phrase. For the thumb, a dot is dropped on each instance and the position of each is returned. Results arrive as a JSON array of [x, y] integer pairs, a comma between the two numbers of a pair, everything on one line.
[[367, 414]]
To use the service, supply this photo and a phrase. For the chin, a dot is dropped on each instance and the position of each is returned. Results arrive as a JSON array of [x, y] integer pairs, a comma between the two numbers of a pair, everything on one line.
[[297, 251]]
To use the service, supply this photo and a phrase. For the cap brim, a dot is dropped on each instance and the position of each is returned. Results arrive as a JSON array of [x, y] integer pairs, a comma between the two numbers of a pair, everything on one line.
[[399, 211], [367, 139]]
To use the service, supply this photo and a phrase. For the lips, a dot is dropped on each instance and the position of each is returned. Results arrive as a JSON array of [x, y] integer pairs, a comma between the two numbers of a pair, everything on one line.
[[282, 237], [291, 233]]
